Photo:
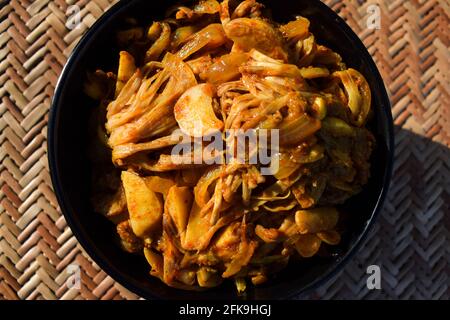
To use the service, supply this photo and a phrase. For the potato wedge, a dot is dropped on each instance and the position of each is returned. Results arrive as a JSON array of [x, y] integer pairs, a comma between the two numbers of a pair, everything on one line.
[[331, 237], [194, 111], [296, 30], [197, 230], [126, 69], [178, 205], [143, 204], [308, 245], [226, 68], [316, 220]]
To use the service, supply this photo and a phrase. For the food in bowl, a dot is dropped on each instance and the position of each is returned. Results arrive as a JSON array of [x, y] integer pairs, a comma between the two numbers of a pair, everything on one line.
[[193, 83]]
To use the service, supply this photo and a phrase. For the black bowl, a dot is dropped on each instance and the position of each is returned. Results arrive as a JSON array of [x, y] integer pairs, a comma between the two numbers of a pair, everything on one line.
[[71, 170]]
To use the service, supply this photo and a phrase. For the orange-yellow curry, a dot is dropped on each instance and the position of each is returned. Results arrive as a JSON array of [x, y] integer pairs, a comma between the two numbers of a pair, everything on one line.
[[209, 68]]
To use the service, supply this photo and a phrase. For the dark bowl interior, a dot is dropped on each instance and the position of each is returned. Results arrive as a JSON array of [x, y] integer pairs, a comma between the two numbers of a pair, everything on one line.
[[70, 167]]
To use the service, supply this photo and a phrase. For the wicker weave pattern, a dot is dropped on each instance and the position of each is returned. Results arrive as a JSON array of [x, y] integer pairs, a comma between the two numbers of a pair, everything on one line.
[[410, 242]]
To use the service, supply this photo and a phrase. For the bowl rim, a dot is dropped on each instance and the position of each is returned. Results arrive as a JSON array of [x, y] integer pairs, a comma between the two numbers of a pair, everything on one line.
[[107, 267]]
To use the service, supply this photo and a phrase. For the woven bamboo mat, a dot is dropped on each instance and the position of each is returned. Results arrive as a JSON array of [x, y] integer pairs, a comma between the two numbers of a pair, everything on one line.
[[410, 241]]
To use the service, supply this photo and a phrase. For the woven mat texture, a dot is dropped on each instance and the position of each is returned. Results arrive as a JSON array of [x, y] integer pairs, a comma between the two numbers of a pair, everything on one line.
[[410, 241]]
